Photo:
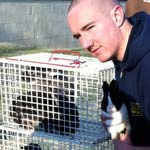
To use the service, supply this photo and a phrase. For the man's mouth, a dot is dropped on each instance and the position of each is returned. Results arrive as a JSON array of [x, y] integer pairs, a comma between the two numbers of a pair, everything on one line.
[[94, 51]]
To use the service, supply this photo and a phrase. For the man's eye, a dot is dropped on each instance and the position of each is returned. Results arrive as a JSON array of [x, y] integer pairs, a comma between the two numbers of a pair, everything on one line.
[[90, 27]]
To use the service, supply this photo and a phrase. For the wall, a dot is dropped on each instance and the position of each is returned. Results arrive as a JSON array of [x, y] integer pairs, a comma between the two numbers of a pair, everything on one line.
[[35, 23]]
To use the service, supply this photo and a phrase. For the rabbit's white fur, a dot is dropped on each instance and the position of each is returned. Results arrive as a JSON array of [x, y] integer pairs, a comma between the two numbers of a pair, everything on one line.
[[118, 121]]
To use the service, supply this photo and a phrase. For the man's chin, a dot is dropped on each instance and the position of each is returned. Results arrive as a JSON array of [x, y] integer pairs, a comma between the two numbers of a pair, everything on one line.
[[102, 60]]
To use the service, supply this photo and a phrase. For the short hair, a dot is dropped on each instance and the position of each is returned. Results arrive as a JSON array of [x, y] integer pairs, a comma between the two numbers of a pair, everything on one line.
[[74, 2]]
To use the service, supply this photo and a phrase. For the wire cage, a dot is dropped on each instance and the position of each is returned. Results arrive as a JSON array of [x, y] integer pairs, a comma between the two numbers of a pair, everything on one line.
[[56, 98], [14, 139]]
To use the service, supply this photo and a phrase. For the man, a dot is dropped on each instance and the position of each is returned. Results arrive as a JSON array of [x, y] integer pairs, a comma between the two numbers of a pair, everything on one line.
[[102, 29], [134, 6]]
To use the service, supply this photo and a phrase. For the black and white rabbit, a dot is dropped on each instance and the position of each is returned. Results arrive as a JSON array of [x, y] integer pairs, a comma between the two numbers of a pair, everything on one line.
[[113, 102], [51, 108]]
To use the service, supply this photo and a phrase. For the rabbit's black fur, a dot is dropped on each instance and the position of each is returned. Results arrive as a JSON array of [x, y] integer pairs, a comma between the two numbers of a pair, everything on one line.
[[111, 90]]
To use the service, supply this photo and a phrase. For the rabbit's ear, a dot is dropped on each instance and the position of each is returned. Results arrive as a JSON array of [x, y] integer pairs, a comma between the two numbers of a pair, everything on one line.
[[114, 87], [105, 88], [115, 94], [104, 103]]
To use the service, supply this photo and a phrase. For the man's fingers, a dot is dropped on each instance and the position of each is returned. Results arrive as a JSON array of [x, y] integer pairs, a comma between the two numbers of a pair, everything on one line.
[[106, 115]]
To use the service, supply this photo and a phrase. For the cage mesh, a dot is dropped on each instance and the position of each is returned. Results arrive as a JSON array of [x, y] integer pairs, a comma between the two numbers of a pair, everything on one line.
[[56, 99]]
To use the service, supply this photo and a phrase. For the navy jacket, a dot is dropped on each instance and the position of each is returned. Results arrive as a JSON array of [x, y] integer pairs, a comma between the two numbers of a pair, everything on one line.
[[133, 76]]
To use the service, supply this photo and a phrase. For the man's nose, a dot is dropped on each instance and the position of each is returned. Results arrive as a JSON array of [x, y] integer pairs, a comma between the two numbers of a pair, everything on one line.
[[86, 42]]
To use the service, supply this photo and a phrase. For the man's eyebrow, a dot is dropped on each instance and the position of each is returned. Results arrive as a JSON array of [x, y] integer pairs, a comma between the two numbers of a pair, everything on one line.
[[86, 26]]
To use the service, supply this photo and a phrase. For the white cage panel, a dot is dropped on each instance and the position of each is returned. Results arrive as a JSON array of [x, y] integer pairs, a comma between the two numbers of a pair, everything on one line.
[[12, 139], [32, 94], [46, 142], [57, 97]]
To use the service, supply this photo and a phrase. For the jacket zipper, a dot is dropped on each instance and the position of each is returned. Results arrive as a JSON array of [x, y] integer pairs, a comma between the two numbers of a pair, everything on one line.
[[121, 73]]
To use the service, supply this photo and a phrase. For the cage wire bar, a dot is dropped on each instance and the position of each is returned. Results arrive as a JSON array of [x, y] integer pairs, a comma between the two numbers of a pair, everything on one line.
[[52, 101]]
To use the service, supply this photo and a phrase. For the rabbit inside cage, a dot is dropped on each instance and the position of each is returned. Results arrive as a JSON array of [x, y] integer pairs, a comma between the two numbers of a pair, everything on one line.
[[49, 103]]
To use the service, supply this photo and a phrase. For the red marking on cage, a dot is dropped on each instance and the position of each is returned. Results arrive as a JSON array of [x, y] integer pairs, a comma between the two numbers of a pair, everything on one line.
[[73, 63]]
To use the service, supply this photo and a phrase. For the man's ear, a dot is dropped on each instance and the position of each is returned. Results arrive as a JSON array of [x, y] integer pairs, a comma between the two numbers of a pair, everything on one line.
[[117, 14]]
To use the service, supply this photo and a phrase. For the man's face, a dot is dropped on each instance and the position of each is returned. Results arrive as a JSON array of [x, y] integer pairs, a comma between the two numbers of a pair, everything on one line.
[[96, 32]]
